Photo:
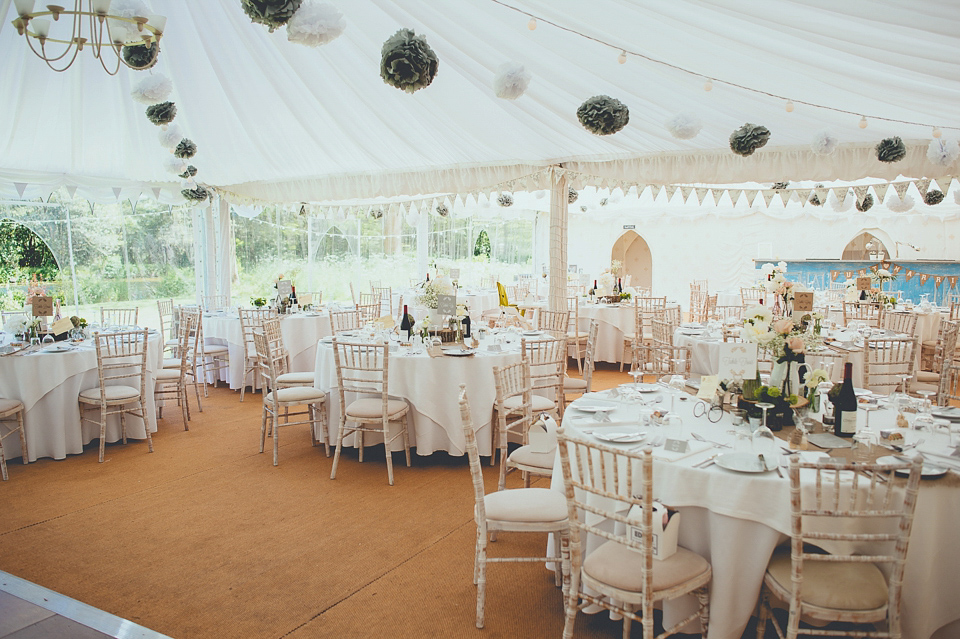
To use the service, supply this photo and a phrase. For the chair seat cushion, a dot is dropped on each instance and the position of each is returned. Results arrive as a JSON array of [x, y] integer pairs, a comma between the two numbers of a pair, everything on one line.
[[215, 349], [167, 374], [576, 335], [929, 343], [838, 586], [171, 362], [296, 378], [619, 566], [171, 342], [300, 394], [526, 456], [526, 505], [113, 393], [928, 377], [539, 402], [372, 407], [574, 384], [10, 406]]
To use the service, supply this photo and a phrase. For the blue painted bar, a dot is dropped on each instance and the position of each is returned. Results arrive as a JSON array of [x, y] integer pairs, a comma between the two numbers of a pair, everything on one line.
[[817, 275]]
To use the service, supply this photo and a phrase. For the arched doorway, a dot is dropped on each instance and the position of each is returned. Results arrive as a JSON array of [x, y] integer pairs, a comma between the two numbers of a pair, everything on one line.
[[634, 253], [865, 247]]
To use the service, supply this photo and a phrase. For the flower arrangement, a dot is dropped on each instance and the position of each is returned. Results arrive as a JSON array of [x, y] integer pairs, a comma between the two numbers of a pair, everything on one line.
[[21, 325], [605, 284], [813, 380], [615, 267], [784, 340], [258, 302], [439, 285], [78, 322]]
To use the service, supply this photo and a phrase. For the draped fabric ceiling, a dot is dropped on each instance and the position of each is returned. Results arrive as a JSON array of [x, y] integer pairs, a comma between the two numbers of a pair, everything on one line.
[[280, 122]]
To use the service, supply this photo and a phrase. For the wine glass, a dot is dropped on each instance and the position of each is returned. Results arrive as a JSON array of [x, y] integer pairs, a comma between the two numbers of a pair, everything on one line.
[[763, 442], [637, 375], [47, 340], [674, 425]]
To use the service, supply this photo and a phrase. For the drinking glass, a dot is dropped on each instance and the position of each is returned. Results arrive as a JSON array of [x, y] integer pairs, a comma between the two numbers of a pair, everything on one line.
[[48, 339], [637, 375], [674, 425], [927, 404]]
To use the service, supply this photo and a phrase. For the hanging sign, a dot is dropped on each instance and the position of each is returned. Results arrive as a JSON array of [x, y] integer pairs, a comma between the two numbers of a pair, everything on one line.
[[629, 227]]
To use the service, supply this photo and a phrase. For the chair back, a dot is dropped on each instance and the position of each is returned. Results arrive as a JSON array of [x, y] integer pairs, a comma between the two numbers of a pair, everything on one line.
[[165, 307], [547, 359], [215, 302], [645, 308], [122, 359], [866, 312], [194, 315], [698, 285], [513, 380], [602, 484], [903, 323], [751, 295], [885, 360], [662, 332], [281, 357], [385, 295], [473, 455], [859, 513], [954, 311], [119, 316], [266, 360], [589, 358], [366, 299], [554, 322], [943, 358], [368, 312], [251, 319], [185, 333], [341, 321], [361, 368], [669, 314]]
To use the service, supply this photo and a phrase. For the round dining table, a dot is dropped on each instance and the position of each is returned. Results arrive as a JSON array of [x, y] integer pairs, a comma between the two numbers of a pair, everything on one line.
[[49, 380], [430, 385], [736, 519], [300, 332]]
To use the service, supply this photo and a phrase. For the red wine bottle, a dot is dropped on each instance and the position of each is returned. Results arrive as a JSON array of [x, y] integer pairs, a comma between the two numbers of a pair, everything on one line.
[[845, 406], [405, 323]]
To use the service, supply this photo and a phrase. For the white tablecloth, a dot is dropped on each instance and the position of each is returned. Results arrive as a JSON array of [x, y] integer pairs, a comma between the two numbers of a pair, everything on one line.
[[736, 520], [613, 322], [431, 387], [300, 335], [49, 384]]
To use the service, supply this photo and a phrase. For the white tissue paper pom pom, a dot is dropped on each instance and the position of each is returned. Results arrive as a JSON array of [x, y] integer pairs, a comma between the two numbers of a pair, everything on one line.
[[175, 165], [315, 24], [943, 152], [170, 138], [841, 208], [895, 204], [122, 30], [824, 143], [511, 81], [153, 89], [684, 126]]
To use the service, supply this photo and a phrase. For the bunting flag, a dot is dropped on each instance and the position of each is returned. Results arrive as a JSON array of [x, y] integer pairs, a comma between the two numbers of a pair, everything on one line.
[[875, 267], [116, 193], [655, 190], [923, 278], [881, 191], [938, 280], [804, 195], [908, 275], [701, 194], [21, 187], [72, 190], [896, 269], [885, 264], [834, 275], [901, 188], [848, 274], [923, 186], [685, 192], [861, 193], [953, 281], [862, 272], [768, 195], [841, 194], [734, 195], [671, 191], [822, 195]]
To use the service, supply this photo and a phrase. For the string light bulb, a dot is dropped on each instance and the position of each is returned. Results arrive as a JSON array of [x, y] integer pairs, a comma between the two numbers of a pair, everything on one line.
[[708, 85], [936, 132], [532, 25], [789, 106], [863, 122], [622, 58]]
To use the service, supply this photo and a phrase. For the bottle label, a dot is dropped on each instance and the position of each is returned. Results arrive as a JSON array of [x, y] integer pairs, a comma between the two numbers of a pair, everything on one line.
[[848, 421]]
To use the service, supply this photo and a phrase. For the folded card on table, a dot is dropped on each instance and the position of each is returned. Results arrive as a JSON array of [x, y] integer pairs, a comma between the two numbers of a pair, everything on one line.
[[693, 447]]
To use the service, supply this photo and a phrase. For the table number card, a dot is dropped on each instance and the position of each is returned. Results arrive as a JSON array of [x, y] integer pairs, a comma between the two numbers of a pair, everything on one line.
[[455, 274], [447, 305], [864, 283], [737, 359], [42, 305], [803, 301], [284, 288], [305, 298], [677, 445]]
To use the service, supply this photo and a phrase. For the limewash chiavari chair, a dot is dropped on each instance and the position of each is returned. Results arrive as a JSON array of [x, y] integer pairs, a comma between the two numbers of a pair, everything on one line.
[[512, 408], [526, 510], [602, 484], [866, 312], [664, 355], [171, 383], [119, 316], [276, 397], [341, 321], [901, 323], [168, 327], [575, 337], [751, 296], [939, 379], [864, 514], [363, 368], [251, 320], [638, 342], [12, 410], [121, 357], [555, 323], [577, 386], [215, 302], [885, 360], [548, 363]]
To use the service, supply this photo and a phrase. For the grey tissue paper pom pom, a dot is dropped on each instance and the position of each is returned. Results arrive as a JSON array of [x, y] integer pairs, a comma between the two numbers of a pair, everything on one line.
[[190, 171], [933, 197], [162, 113], [511, 81], [198, 194], [824, 143], [505, 200], [407, 62], [603, 115], [140, 56], [864, 206], [272, 13], [186, 149], [684, 126], [572, 196], [891, 150], [748, 138]]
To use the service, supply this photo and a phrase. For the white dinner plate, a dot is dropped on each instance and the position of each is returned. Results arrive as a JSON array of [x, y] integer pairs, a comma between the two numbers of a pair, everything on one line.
[[59, 348], [458, 352], [621, 437], [645, 388], [745, 462], [947, 412], [532, 333], [927, 470], [595, 406]]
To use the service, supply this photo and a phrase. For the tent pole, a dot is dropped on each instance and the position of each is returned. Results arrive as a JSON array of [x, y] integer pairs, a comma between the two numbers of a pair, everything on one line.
[[557, 300], [310, 249], [422, 244], [73, 266]]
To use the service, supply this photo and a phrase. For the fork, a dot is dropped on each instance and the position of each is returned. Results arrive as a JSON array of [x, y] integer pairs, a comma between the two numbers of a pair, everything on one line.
[[701, 438]]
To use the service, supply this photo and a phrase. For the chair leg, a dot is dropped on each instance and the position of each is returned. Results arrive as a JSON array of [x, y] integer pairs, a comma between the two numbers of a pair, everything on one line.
[[243, 382], [181, 392], [406, 440], [336, 454], [573, 596], [276, 439], [3, 474], [146, 427], [481, 576], [703, 597], [762, 612], [388, 453], [123, 426], [263, 427], [23, 439], [103, 432]]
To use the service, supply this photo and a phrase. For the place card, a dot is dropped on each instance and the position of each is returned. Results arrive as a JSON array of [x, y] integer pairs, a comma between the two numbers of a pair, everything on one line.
[[42, 305], [803, 301], [676, 445], [864, 283], [709, 384], [737, 360], [447, 305], [494, 348], [61, 326], [305, 299]]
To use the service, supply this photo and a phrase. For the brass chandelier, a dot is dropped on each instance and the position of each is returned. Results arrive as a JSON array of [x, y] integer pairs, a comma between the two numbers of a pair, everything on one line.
[[134, 40]]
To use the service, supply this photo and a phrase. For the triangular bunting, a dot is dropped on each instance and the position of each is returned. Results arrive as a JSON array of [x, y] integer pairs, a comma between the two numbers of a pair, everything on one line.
[[768, 196], [923, 185], [821, 195], [71, 190], [923, 278], [734, 195], [848, 275], [841, 194], [21, 187], [938, 280], [156, 192], [874, 267], [685, 191], [116, 193], [862, 272], [885, 264], [804, 195], [834, 276], [953, 281], [881, 190], [908, 275], [896, 269], [860, 192], [701, 194], [901, 189], [655, 190], [751, 196], [671, 190]]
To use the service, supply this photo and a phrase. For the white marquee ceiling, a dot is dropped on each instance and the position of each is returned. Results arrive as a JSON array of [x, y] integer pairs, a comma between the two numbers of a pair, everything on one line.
[[277, 121]]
